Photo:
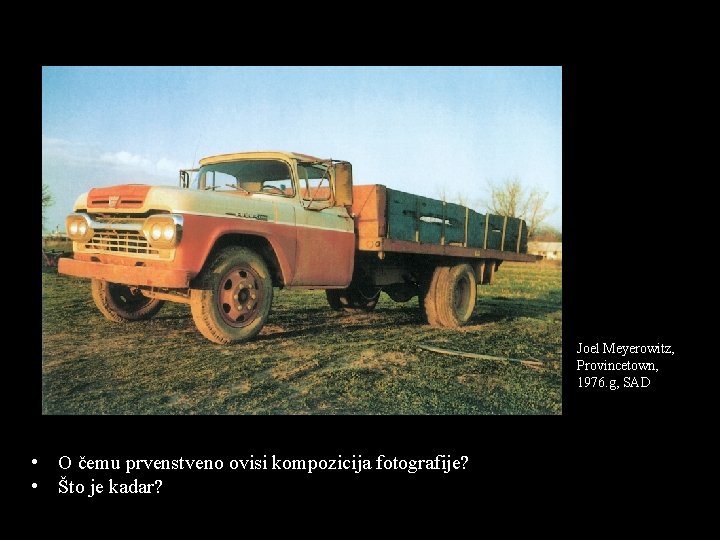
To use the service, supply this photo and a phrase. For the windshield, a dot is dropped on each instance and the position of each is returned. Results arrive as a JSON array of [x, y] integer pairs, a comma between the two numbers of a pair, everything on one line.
[[268, 176]]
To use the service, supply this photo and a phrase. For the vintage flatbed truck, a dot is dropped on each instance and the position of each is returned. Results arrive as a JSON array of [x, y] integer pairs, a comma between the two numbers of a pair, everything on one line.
[[244, 223]]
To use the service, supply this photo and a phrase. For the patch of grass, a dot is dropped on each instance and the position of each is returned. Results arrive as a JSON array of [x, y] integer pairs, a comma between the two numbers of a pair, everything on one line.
[[51, 244], [308, 359]]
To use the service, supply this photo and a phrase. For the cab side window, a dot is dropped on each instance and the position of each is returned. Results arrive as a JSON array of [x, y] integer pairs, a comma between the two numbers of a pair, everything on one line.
[[314, 183]]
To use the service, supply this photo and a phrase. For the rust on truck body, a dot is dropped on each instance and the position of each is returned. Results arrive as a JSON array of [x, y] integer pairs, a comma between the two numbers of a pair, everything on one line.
[[298, 267], [201, 233], [368, 207], [131, 275]]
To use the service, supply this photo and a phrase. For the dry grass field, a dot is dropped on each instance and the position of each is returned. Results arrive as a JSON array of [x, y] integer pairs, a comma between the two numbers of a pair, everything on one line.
[[308, 359]]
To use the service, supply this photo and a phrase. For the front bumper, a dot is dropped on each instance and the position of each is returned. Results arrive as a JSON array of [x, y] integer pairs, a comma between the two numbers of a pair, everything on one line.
[[128, 275]]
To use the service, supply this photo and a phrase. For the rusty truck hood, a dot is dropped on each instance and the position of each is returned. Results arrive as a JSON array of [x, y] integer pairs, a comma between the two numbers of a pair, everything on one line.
[[121, 197], [141, 199]]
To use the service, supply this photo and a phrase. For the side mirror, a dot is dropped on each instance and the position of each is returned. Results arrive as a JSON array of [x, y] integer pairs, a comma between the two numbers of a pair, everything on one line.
[[184, 179], [343, 184]]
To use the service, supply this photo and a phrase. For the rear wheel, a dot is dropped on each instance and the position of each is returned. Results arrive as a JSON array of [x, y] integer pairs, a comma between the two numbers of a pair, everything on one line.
[[421, 306], [364, 299], [451, 296], [361, 295], [121, 303], [401, 292], [333, 298], [233, 299], [429, 295], [353, 298]]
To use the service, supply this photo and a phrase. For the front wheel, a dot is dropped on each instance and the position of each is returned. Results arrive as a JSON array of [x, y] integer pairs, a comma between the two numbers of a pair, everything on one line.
[[120, 303], [233, 299]]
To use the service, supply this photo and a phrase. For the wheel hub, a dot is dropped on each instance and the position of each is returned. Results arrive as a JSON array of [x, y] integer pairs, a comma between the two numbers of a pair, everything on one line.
[[239, 296]]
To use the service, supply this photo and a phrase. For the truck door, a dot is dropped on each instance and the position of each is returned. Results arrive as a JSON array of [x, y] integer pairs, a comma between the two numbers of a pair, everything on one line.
[[325, 234]]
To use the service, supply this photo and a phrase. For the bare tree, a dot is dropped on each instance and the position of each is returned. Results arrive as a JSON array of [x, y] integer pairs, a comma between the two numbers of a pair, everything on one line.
[[511, 199], [47, 200], [460, 198]]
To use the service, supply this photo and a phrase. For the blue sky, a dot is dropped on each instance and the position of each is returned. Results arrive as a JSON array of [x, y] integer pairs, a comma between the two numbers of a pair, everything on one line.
[[420, 130]]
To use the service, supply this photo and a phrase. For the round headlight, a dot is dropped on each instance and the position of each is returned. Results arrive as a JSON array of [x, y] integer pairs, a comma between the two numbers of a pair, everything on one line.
[[156, 231], [82, 228], [169, 231], [74, 228]]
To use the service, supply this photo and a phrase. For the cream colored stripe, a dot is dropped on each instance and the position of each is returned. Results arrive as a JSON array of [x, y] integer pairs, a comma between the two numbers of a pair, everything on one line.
[[227, 216]]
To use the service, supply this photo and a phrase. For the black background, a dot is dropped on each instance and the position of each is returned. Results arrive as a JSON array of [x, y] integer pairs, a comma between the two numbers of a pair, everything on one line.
[[625, 161]]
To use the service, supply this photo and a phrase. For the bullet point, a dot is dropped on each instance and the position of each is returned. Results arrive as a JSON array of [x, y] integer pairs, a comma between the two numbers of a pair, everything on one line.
[[34, 461], [34, 485]]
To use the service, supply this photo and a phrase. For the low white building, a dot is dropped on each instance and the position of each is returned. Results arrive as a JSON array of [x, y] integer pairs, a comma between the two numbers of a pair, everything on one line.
[[552, 251]]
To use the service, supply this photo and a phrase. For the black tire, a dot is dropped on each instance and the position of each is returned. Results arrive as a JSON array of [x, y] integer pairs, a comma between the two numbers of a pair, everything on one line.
[[333, 298], [488, 272], [455, 296], [401, 293], [232, 299], [429, 296], [353, 299], [121, 303], [359, 301]]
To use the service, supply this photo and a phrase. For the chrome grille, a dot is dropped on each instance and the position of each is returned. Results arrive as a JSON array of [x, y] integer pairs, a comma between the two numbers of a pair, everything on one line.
[[113, 241]]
